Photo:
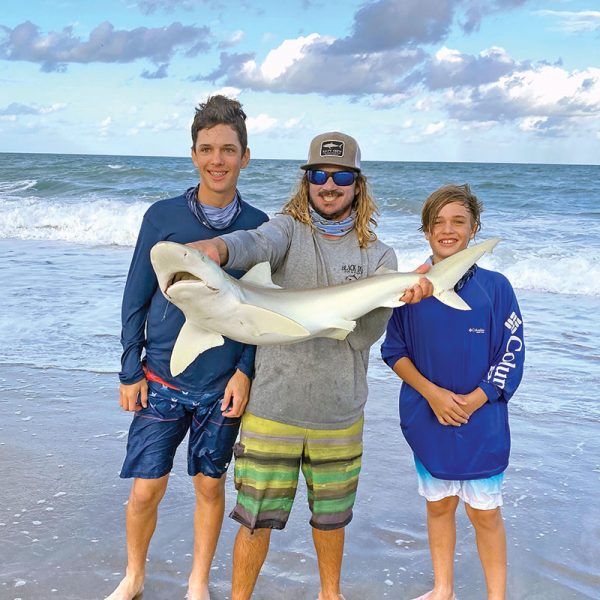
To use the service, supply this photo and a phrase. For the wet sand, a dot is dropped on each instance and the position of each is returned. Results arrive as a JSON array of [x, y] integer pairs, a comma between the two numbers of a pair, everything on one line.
[[62, 441]]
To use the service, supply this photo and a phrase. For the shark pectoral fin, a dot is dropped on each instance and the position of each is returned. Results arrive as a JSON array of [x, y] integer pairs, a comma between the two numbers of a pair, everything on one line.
[[338, 334], [382, 270], [260, 274], [344, 325], [191, 342], [264, 321], [451, 298], [340, 329]]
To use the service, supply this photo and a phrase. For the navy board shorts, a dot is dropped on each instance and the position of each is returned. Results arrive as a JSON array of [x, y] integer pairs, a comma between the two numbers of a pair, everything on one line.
[[157, 430]]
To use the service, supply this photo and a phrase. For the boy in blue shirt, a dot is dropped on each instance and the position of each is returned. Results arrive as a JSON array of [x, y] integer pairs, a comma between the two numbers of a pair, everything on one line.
[[208, 398], [459, 369]]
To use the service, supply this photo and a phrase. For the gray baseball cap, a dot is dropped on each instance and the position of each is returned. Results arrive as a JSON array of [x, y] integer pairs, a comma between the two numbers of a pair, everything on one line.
[[333, 148]]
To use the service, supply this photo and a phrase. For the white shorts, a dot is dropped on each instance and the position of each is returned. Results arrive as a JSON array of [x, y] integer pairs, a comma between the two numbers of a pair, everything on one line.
[[482, 494]]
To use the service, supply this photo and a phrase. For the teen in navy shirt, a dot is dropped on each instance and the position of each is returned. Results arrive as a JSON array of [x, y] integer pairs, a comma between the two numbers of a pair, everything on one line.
[[208, 398]]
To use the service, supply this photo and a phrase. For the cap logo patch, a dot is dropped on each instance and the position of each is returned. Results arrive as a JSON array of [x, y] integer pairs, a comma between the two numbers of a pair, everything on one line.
[[332, 148]]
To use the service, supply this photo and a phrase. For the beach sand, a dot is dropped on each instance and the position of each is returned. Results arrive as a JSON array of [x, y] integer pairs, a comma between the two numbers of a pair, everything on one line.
[[62, 441]]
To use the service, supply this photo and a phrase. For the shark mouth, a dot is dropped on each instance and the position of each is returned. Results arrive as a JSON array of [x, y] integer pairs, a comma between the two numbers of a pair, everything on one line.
[[179, 277]]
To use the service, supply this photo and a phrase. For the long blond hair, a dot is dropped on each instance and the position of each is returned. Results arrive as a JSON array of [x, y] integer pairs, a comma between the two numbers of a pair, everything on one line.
[[366, 209]]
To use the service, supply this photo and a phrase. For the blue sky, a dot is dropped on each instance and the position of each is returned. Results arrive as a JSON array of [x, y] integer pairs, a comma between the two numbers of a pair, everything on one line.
[[426, 80]]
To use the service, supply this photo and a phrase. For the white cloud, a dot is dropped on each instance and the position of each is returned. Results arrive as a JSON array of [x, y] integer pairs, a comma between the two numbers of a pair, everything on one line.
[[423, 105], [260, 123], [478, 125], [390, 100], [104, 126], [233, 40], [574, 21], [543, 91], [53, 51], [532, 123], [169, 123], [448, 55], [16, 109], [291, 123], [172, 122], [292, 65], [434, 128], [227, 91], [451, 68], [45, 110], [286, 54]]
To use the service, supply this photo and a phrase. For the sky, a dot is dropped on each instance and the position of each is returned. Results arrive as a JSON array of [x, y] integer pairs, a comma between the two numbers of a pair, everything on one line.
[[411, 80]]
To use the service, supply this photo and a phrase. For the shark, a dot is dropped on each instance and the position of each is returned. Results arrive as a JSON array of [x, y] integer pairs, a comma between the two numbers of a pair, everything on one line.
[[254, 310]]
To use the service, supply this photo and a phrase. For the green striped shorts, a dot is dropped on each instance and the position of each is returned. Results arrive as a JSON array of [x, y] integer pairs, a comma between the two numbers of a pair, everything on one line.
[[268, 458]]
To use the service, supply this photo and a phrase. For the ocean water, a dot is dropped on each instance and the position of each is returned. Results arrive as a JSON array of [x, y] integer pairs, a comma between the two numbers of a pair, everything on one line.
[[68, 224]]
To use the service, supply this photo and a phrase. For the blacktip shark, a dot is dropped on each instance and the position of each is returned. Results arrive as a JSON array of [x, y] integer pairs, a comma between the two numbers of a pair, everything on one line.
[[254, 310]]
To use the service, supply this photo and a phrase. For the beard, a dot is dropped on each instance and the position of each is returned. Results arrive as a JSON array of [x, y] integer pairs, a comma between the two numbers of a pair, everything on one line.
[[336, 216]]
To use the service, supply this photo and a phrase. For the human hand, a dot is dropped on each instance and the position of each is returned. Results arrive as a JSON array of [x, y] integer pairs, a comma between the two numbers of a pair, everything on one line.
[[236, 395], [421, 290], [449, 408], [134, 397], [473, 401], [214, 248]]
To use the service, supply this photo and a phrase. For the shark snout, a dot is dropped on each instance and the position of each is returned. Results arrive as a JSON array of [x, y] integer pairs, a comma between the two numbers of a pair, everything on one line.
[[174, 263]]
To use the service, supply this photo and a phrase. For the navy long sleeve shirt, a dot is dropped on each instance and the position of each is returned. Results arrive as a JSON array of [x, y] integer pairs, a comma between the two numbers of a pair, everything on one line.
[[460, 351], [151, 324]]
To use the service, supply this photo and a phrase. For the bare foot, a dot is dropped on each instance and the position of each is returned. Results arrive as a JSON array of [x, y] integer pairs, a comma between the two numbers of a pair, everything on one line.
[[321, 597], [198, 593], [436, 595], [128, 589]]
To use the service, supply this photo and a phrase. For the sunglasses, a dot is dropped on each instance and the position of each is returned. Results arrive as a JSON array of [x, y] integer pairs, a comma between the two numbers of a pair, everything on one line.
[[341, 178]]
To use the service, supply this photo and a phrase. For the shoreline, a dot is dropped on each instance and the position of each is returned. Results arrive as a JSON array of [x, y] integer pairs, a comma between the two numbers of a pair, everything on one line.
[[62, 441]]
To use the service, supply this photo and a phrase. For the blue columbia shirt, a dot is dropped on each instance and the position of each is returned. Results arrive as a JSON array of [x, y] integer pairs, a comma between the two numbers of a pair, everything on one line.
[[460, 351], [150, 323]]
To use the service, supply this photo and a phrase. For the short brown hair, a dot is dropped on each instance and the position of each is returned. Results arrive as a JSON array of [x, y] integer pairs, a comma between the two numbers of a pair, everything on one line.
[[220, 110], [446, 195]]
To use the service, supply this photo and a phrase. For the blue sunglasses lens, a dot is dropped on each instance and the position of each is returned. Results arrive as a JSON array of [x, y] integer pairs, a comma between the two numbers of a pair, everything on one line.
[[341, 178]]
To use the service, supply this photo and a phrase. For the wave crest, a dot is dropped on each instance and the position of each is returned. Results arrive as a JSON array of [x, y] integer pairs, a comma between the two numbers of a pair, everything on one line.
[[103, 222]]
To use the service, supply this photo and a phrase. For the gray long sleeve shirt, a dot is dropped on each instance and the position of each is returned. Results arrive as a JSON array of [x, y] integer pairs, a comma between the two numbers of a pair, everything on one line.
[[319, 383]]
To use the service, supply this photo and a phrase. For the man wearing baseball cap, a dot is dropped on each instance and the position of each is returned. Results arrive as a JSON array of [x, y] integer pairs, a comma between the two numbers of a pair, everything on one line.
[[307, 399]]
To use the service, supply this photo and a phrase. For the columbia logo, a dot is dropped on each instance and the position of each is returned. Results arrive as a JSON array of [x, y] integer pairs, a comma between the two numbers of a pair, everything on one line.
[[512, 322]]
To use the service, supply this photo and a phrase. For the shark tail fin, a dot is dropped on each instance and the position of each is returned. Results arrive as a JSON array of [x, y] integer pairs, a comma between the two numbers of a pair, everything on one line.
[[445, 274]]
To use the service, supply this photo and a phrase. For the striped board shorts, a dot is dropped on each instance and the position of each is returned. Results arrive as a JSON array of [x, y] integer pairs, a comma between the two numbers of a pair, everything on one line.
[[268, 458]]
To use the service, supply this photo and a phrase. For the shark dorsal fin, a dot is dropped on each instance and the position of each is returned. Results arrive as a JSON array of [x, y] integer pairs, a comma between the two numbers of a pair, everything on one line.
[[192, 341], [260, 275]]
